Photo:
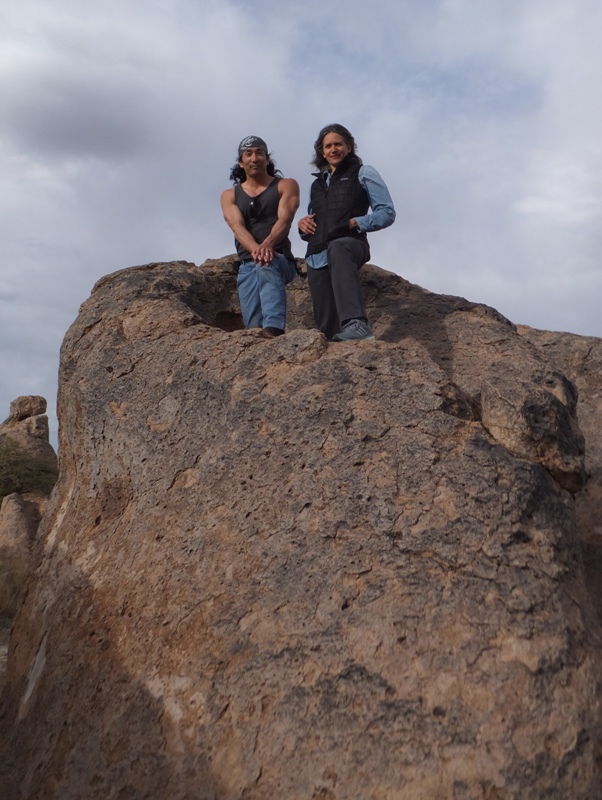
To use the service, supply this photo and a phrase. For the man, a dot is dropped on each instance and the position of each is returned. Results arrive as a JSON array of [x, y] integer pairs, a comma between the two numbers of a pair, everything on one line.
[[260, 210], [335, 229]]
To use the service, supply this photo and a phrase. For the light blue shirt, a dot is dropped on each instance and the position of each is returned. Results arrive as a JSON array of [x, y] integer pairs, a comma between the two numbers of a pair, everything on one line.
[[382, 212]]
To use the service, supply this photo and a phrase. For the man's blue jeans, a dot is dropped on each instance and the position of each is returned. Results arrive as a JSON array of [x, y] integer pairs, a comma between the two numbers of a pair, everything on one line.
[[262, 292]]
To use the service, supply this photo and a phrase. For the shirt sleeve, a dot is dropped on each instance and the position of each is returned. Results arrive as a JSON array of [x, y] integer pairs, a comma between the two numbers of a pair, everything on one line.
[[382, 210]]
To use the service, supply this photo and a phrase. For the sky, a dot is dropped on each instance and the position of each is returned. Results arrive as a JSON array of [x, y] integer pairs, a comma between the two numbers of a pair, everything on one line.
[[120, 120]]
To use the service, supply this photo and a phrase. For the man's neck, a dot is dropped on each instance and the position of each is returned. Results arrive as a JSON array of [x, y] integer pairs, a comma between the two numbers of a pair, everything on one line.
[[257, 183]]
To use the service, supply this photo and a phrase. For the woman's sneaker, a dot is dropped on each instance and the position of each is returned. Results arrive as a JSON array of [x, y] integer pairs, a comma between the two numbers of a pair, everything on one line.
[[354, 330]]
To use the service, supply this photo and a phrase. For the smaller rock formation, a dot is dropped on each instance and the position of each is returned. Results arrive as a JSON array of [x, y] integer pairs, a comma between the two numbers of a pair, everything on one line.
[[28, 471]]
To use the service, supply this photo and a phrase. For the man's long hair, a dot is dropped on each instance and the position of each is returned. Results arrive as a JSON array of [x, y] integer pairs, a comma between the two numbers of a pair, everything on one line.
[[318, 160], [238, 175]]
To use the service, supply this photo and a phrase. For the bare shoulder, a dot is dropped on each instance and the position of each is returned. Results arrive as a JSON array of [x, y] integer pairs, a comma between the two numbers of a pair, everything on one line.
[[288, 186], [227, 197]]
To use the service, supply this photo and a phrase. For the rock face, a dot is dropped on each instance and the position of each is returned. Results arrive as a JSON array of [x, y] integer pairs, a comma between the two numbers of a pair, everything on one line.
[[301, 569]]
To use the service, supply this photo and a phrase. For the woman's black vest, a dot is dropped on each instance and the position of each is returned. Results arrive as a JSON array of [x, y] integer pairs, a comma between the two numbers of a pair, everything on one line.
[[336, 204], [260, 214]]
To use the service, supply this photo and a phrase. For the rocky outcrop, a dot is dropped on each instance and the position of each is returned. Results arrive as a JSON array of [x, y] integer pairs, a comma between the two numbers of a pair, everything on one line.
[[28, 470], [27, 424], [297, 569]]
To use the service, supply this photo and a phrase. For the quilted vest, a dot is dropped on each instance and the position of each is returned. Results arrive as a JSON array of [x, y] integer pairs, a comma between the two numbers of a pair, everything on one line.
[[336, 204]]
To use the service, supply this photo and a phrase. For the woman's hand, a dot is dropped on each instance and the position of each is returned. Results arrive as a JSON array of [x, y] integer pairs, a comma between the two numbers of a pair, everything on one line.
[[307, 225]]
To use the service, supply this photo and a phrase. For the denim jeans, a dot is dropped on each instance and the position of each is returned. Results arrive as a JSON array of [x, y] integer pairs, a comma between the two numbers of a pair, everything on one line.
[[262, 292]]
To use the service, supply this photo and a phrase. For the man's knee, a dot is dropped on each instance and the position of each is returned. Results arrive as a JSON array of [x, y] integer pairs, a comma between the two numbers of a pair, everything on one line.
[[283, 269]]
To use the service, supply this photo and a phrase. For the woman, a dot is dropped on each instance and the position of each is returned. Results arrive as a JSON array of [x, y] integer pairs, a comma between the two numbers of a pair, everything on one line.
[[347, 201]]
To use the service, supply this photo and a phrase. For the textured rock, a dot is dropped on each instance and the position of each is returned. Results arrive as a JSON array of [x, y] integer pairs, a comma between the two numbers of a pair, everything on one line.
[[27, 425], [18, 522], [295, 569], [28, 469], [3, 654], [580, 359], [27, 406]]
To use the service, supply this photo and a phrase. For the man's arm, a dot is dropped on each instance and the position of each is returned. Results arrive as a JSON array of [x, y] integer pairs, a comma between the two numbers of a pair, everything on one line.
[[234, 218], [263, 252], [288, 189]]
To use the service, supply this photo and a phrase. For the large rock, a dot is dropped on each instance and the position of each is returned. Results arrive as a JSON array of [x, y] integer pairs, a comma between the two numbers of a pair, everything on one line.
[[295, 569]]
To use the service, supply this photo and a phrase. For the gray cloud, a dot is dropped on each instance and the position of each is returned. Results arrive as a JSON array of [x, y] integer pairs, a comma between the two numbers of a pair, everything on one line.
[[65, 116]]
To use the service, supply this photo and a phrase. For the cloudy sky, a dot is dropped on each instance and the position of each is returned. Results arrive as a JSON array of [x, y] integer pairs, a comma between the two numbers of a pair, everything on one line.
[[119, 122]]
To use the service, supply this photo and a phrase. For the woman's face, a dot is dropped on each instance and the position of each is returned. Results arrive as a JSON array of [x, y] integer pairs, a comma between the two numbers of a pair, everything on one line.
[[334, 150]]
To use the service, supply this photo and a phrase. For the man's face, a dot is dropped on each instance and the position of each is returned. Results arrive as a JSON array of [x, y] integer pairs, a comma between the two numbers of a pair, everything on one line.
[[334, 149], [254, 161]]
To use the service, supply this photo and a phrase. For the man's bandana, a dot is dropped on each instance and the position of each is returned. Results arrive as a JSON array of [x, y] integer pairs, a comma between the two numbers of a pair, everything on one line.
[[251, 141]]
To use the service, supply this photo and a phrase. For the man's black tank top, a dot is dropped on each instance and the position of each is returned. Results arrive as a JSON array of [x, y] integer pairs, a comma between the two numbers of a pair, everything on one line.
[[260, 214]]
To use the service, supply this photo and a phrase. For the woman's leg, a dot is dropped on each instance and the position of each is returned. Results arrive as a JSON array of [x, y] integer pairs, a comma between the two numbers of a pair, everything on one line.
[[345, 257], [323, 301]]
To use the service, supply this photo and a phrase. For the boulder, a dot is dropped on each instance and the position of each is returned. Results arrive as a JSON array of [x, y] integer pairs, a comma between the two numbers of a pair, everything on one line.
[[27, 406], [291, 568]]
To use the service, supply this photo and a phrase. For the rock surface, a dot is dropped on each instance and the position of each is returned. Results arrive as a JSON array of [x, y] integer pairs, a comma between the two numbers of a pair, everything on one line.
[[295, 569], [580, 359], [27, 424], [28, 468]]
